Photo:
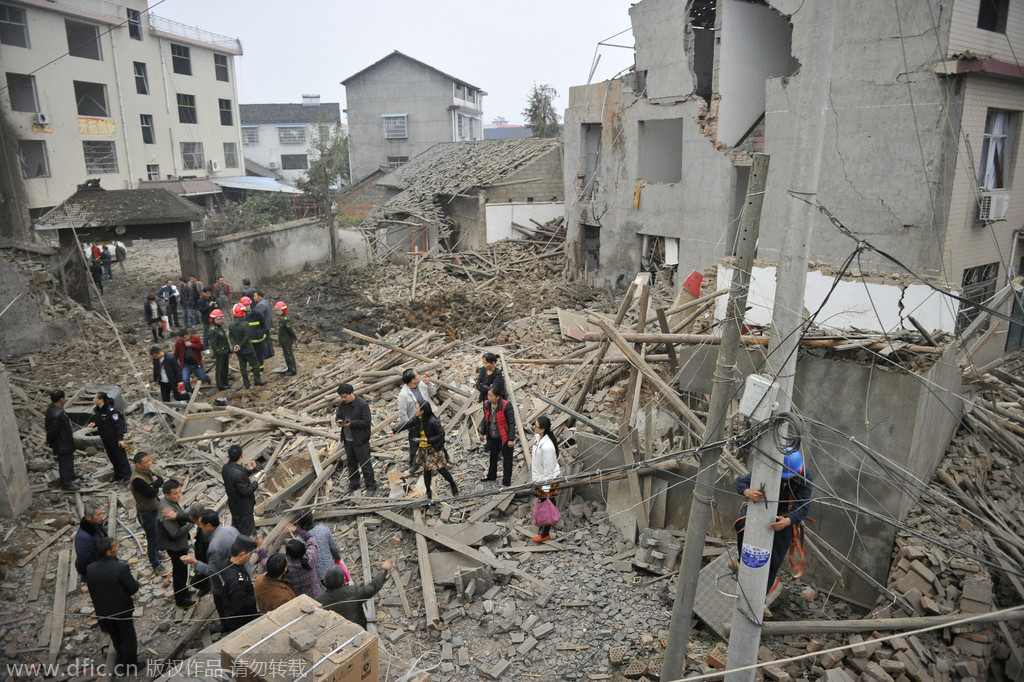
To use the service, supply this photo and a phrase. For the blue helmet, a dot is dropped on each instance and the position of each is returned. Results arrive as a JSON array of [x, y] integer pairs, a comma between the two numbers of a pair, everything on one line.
[[792, 464]]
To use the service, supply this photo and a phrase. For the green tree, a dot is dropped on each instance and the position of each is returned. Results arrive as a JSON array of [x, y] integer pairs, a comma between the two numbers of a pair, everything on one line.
[[329, 165], [540, 112]]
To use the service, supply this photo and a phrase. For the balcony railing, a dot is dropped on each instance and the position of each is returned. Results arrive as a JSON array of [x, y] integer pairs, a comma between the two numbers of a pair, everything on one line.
[[194, 33]]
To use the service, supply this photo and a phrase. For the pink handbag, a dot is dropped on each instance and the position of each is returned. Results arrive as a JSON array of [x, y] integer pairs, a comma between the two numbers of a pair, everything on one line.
[[546, 514]]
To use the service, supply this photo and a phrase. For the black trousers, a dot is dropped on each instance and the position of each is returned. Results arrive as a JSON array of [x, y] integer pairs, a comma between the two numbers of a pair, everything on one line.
[[118, 458], [245, 523], [122, 634], [179, 575], [357, 457], [445, 474], [66, 468], [172, 313], [167, 389], [496, 449]]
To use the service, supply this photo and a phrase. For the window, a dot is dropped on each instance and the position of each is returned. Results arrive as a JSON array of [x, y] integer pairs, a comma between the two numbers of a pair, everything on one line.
[[100, 157], [294, 162], [148, 132], [291, 134], [995, 149], [13, 27], [134, 24], [220, 67], [979, 285], [181, 59], [192, 156], [225, 111], [91, 98], [395, 126], [250, 135], [21, 89], [230, 155], [83, 39], [32, 154], [661, 150], [591, 247], [141, 79], [465, 127], [187, 109], [396, 161], [992, 15], [592, 156], [153, 171]]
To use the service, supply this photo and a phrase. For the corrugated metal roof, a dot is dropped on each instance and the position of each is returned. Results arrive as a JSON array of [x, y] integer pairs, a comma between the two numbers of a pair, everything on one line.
[[183, 188], [254, 183]]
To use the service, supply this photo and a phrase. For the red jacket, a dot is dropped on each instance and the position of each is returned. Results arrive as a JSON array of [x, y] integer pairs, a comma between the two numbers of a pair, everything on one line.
[[196, 348], [503, 416]]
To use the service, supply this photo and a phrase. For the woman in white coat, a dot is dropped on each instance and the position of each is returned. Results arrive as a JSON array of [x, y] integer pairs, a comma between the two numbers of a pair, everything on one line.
[[544, 467]]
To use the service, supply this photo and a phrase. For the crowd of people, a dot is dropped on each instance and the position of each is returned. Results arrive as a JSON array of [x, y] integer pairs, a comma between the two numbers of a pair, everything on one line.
[[100, 258]]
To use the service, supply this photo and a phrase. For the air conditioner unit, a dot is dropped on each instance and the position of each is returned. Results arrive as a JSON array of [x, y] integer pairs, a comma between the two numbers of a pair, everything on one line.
[[272, 165], [214, 165], [42, 119], [994, 206]]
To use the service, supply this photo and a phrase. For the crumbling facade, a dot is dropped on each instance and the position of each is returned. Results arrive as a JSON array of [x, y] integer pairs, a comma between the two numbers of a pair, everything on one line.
[[920, 152]]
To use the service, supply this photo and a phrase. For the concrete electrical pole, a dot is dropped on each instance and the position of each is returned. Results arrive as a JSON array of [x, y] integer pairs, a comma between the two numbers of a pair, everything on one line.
[[722, 395], [810, 108]]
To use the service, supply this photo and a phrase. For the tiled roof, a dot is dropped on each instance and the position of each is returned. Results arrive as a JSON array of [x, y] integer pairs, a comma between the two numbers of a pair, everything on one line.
[[254, 114], [92, 206]]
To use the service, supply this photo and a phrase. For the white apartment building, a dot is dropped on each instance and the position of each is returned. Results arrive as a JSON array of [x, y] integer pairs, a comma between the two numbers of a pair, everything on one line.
[[101, 89], [277, 137]]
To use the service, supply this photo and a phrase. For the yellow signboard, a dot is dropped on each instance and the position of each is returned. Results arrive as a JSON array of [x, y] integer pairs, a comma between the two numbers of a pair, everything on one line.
[[95, 126], [42, 128]]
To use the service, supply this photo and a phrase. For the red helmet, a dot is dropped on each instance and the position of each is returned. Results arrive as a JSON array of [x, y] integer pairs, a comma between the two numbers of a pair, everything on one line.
[[281, 305], [216, 314], [245, 300], [238, 310]]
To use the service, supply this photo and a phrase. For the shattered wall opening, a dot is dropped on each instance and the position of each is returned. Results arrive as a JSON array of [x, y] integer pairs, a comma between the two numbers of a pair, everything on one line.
[[592, 155], [661, 150], [702, 24]]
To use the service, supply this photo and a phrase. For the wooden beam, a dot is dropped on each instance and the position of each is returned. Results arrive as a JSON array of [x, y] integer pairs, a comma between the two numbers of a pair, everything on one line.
[[44, 545], [602, 349], [430, 609], [515, 410], [697, 301], [283, 423], [400, 588], [223, 434], [317, 466], [580, 418], [37, 576], [711, 339], [364, 552], [59, 604]]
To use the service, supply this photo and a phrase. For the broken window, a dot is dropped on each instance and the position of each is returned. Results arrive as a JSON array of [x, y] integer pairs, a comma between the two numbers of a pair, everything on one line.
[[192, 156], [21, 88], [141, 78], [220, 67], [83, 39], [978, 286], [153, 171], [91, 99], [658, 253], [992, 15], [181, 59], [294, 162], [148, 132], [32, 154], [396, 161], [395, 126], [996, 147], [230, 155], [187, 109], [100, 157], [702, 24], [225, 111], [134, 24], [13, 27], [592, 153], [250, 135], [591, 247], [291, 134], [661, 150]]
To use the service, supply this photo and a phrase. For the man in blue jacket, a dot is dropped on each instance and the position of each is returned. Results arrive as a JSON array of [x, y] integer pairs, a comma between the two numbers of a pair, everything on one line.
[[90, 530]]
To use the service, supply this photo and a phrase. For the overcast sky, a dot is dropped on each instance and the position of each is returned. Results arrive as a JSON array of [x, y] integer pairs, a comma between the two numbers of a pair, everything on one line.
[[310, 46]]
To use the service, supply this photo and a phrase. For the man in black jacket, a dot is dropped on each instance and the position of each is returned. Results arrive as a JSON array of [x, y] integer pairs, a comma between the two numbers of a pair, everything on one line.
[[239, 593], [241, 488], [167, 373], [353, 417], [347, 600], [60, 436], [111, 586], [90, 530]]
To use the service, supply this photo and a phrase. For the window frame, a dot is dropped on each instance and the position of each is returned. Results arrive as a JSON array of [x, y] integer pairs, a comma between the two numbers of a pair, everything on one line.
[[78, 98], [7, 21], [396, 161], [290, 166], [181, 63], [146, 123], [997, 149], [291, 134], [24, 165], [185, 107], [231, 152], [978, 285], [141, 79], [227, 118], [217, 68], [393, 131], [134, 23], [994, 14], [152, 171], [87, 144], [188, 156], [95, 40], [17, 85], [248, 139]]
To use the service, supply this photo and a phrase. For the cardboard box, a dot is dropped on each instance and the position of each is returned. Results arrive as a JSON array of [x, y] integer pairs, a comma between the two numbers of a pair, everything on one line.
[[254, 653]]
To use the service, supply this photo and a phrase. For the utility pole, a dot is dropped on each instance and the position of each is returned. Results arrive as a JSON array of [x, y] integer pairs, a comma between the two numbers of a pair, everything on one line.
[[811, 103], [722, 394]]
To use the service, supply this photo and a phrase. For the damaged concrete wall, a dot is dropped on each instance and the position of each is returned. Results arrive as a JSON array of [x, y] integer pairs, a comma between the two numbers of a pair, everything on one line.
[[23, 326], [15, 495], [277, 250]]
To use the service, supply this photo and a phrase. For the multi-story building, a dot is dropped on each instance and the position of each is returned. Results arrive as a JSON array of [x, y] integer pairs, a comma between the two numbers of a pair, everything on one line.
[[97, 89], [277, 137], [399, 107]]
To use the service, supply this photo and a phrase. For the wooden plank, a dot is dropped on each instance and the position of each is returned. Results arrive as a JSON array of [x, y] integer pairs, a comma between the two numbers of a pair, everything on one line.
[[38, 575], [53, 538], [317, 466], [364, 552], [515, 409], [188, 408], [59, 604], [283, 423], [487, 507], [223, 434], [463, 549], [400, 588], [426, 577]]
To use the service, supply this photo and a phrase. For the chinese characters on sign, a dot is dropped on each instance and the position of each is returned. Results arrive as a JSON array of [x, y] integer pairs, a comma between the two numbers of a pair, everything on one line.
[[95, 126]]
